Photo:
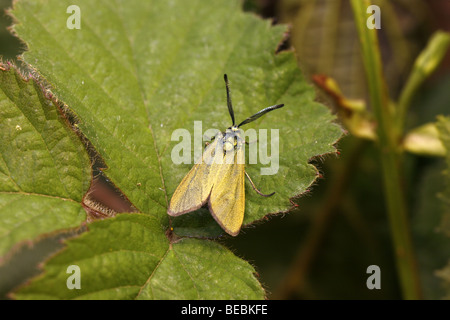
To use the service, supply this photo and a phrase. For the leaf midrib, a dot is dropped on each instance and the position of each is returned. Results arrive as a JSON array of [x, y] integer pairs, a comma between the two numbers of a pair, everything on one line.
[[43, 140]]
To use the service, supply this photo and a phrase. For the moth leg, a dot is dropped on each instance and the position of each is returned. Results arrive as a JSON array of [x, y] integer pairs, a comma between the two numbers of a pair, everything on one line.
[[207, 143], [256, 189], [251, 142]]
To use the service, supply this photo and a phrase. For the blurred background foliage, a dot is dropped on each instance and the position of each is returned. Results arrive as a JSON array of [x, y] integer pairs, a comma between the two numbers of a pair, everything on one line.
[[321, 250]]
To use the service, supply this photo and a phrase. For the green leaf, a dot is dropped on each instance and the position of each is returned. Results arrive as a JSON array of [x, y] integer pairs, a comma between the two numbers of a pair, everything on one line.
[[134, 73], [145, 266], [424, 140], [443, 125], [353, 113], [44, 169], [425, 64], [432, 245], [137, 71]]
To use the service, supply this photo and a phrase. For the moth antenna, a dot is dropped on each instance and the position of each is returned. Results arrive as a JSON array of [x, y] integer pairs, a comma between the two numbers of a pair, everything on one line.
[[230, 106], [260, 114]]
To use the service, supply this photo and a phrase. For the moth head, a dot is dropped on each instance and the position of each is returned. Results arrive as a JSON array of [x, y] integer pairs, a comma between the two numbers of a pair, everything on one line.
[[232, 137]]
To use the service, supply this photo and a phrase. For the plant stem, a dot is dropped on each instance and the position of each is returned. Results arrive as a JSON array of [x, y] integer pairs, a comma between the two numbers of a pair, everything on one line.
[[389, 136]]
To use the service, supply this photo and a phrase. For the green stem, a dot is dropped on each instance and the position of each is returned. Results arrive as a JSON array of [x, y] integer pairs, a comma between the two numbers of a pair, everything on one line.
[[390, 155]]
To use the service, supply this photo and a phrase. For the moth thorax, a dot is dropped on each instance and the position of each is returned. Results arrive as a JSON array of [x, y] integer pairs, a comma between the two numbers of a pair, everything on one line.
[[232, 136]]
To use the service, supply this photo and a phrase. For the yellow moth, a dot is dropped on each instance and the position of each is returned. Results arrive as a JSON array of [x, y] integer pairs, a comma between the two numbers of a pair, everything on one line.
[[219, 178]]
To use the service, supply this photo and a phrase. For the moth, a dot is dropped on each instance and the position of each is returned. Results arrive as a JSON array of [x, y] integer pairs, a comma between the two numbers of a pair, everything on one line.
[[219, 179]]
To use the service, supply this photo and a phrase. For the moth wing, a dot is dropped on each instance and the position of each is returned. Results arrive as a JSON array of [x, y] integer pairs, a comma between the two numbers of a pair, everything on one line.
[[193, 191], [227, 199]]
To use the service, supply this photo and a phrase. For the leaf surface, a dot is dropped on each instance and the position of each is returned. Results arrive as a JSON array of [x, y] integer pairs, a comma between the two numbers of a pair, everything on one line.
[[44, 169], [133, 74], [443, 126], [145, 266]]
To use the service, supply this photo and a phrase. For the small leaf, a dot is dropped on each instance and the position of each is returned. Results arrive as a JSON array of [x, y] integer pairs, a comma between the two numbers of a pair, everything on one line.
[[444, 274], [443, 125], [44, 169], [424, 66], [424, 140], [431, 57], [351, 112]]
